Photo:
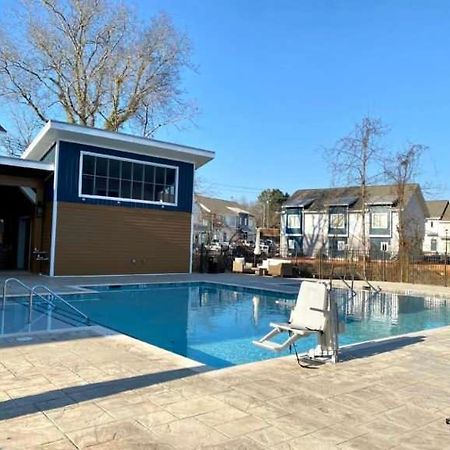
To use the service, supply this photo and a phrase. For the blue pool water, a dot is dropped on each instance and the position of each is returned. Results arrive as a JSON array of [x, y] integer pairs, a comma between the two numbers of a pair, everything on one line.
[[215, 324]]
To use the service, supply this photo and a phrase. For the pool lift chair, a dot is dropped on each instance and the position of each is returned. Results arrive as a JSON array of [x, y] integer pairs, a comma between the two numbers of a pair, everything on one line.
[[314, 312]]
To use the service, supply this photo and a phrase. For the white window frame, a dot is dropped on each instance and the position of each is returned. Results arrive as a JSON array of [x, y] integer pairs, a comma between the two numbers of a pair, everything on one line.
[[120, 199], [379, 214], [297, 218], [336, 215], [390, 223]]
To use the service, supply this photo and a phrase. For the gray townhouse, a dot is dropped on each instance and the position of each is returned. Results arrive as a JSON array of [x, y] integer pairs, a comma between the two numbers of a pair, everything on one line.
[[329, 221]]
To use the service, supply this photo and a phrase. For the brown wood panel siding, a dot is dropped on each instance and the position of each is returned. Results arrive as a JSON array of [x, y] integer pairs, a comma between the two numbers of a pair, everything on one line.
[[102, 240]]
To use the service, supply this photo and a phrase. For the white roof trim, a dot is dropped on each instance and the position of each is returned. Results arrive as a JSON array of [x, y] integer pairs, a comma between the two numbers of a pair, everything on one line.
[[204, 207], [17, 162], [59, 131], [238, 210]]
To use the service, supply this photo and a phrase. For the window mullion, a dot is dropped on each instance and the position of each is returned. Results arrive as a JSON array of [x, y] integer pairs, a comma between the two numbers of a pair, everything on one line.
[[94, 182]]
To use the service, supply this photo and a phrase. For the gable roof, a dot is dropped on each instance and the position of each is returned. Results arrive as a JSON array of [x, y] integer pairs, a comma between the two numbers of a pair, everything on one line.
[[437, 208], [219, 206], [446, 215], [320, 199], [54, 131]]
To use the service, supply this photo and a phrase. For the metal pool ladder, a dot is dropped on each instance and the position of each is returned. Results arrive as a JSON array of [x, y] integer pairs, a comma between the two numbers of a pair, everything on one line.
[[32, 292]]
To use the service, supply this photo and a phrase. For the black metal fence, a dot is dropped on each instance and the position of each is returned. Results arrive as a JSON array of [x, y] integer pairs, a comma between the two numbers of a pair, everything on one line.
[[381, 267], [351, 265]]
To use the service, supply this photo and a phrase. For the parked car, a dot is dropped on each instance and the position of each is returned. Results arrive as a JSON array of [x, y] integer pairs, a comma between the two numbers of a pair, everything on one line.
[[217, 246]]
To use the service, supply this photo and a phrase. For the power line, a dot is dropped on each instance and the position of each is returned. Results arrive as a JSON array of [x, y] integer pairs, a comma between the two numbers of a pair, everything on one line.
[[233, 186]]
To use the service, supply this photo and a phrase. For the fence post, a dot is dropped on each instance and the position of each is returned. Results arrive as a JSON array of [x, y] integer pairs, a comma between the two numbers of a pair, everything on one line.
[[445, 270], [320, 265], [200, 266]]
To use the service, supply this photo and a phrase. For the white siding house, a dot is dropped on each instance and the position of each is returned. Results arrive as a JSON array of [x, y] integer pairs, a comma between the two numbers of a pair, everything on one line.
[[222, 220], [437, 228], [329, 221]]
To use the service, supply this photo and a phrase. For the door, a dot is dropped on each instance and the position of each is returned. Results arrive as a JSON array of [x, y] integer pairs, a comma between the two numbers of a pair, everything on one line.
[[23, 243]]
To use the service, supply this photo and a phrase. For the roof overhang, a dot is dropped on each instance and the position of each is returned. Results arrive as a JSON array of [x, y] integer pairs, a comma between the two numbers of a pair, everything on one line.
[[387, 200], [19, 172], [343, 201], [303, 203], [238, 210], [55, 131], [26, 164]]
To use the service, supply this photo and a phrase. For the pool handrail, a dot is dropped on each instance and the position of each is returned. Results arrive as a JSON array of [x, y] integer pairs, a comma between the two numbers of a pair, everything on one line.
[[29, 290], [32, 292], [55, 295]]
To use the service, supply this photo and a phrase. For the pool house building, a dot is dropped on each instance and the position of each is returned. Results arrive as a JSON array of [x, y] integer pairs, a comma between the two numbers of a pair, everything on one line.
[[86, 201]]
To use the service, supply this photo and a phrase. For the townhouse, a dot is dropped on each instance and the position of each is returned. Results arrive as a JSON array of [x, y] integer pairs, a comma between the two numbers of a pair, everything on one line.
[[330, 221]]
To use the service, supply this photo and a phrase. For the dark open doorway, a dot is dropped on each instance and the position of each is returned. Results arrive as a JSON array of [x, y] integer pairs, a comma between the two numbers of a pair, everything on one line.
[[16, 212]]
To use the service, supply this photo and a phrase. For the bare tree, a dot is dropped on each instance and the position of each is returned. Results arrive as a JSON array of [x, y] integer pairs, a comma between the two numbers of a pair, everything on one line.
[[401, 170], [12, 144], [354, 159], [94, 63]]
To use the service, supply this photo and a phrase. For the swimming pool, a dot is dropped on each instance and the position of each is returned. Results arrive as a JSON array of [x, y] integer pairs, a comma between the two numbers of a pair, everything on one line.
[[216, 323]]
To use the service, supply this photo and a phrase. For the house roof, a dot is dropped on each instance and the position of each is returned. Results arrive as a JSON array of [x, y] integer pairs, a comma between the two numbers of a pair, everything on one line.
[[350, 196], [219, 206], [54, 131], [437, 208]]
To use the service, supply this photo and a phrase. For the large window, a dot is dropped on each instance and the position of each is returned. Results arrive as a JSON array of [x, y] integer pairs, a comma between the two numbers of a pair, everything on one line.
[[380, 220], [337, 221], [129, 180], [293, 221]]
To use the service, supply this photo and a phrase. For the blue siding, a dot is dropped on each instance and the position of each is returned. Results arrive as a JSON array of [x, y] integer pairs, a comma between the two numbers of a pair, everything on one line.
[[68, 175]]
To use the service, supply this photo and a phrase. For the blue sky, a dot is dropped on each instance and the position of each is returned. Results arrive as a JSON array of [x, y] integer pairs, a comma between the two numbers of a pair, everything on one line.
[[278, 81]]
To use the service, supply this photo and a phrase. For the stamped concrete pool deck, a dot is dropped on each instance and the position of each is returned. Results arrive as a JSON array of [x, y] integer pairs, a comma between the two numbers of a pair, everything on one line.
[[93, 388]]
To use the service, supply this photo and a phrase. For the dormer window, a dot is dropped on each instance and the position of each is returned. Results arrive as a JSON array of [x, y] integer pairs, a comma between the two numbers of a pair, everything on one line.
[[380, 220], [294, 221], [337, 220]]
